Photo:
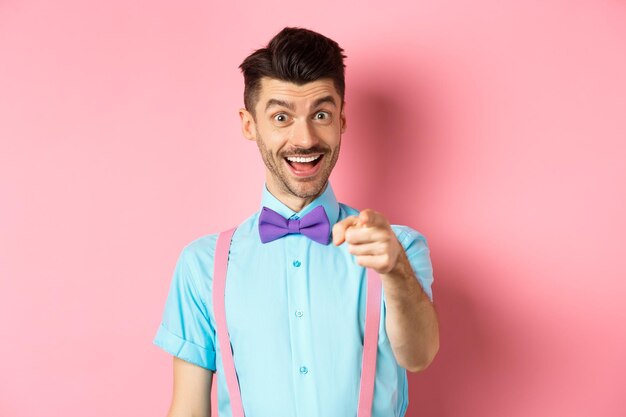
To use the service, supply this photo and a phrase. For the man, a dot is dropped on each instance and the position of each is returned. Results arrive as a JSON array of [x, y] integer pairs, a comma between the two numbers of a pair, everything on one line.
[[295, 304]]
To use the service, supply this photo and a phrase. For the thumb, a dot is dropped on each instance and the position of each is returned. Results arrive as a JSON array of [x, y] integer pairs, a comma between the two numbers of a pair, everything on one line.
[[339, 229]]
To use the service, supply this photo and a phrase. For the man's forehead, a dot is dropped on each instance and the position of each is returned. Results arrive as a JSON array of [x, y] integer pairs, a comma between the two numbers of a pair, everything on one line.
[[273, 89]]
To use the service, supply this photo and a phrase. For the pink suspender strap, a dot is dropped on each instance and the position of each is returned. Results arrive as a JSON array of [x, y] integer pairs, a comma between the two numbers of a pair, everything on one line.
[[370, 339], [370, 344], [219, 287]]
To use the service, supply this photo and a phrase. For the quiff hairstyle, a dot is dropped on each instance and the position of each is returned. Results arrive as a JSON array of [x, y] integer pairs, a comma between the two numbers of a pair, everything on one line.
[[295, 55]]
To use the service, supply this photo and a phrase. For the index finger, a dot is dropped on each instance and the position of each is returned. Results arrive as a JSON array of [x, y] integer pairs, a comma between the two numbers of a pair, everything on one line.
[[369, 217]]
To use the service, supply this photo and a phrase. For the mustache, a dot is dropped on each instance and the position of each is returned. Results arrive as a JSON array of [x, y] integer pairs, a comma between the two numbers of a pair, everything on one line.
[[316, 150]]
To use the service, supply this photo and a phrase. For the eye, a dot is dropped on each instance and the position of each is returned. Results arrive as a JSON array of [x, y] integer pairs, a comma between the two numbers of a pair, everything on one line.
[[322, 115], [280, 118]]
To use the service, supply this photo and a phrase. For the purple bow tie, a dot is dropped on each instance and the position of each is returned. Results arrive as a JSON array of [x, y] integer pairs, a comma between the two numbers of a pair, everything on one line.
[[314, 225]]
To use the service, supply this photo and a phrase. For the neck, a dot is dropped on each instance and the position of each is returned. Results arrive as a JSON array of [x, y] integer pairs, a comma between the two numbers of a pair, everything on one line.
[[294, 202]]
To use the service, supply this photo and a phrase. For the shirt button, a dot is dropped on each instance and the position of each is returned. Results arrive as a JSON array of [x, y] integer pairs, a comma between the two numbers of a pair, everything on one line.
[[304, 370], [299, 313], [297, 264]]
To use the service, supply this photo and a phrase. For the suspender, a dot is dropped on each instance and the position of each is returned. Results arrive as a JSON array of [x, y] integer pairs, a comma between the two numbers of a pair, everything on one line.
[[370, 344], [370, 339], [219, 287]]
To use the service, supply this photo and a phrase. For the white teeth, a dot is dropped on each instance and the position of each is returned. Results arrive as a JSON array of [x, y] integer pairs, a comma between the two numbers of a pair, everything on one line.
[[302, 159]]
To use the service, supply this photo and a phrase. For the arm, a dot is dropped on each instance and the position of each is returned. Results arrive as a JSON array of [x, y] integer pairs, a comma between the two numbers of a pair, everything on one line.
[[411, 320], [192, 390]]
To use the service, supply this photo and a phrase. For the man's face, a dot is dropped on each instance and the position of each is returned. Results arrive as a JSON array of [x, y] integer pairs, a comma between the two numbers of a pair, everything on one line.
[[298, 131]]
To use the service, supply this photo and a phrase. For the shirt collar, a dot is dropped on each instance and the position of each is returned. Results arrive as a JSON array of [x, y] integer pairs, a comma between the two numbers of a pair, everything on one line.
[[326, 199]]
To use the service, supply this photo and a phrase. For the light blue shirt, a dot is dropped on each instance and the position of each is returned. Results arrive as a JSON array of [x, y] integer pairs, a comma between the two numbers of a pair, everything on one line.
[[296, 316]]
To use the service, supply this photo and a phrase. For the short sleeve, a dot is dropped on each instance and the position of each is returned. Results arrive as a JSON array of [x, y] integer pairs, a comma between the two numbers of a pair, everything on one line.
[[418, 253], [186, 330]]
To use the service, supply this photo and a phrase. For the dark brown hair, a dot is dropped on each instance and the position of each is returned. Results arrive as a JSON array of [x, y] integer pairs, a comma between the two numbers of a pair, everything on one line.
[[296, 55]]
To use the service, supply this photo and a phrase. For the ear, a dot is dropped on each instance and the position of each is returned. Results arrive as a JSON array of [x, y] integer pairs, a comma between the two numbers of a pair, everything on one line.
[[248, 125], [342, 118]]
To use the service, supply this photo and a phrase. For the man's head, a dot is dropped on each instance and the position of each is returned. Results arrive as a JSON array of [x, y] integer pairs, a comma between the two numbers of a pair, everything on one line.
[[295, 55], [294, 98]]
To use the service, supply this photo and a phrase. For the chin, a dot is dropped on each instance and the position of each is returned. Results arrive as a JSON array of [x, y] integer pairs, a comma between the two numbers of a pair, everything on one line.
[[307, 189]]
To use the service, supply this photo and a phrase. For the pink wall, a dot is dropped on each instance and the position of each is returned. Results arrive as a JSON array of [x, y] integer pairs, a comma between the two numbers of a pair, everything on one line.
[[497, 129]]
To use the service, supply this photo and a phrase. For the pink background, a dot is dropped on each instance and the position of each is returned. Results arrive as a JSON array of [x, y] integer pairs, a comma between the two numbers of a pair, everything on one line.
[[495, 128]]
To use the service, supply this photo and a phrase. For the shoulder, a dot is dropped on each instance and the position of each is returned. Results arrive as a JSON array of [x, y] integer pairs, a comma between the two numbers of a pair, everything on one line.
[[200, 247], [409, 237], [198, 255]]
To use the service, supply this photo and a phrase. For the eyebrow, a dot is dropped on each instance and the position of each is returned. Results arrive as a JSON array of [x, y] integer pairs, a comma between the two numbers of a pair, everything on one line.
[[326, 99], [282, 103]]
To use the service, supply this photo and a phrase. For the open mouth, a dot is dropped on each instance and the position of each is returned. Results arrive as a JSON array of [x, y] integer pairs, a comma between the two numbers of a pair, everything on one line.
[[304, 166]]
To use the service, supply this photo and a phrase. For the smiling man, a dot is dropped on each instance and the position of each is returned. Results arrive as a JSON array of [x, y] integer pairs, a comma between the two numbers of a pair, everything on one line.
[[309, 308], [298, 131]]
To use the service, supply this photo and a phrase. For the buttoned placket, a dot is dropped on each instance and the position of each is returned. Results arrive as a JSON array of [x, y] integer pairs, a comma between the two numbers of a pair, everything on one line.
[[303, 369]]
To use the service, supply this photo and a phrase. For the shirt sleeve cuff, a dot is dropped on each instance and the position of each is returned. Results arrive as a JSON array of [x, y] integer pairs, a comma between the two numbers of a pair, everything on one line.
[[184, 349]]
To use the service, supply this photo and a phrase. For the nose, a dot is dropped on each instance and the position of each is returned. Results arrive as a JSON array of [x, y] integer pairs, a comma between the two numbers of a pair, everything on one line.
[[304, 135]]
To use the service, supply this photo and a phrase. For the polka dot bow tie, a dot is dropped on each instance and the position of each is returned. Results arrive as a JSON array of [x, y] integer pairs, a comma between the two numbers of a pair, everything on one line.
[[315, 225]]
